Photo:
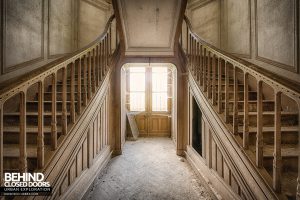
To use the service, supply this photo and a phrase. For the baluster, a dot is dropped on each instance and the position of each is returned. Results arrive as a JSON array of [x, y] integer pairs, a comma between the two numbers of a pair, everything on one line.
[[198, 63], [187, 40], [104, 56], [201, 66], [53, 117], [219, 85], [235, 102], [110, 52], [106, 53], [209, 75], [246, 112], [40, 137], [22, 136], [79, 86], [94, 71], [214, 94], [193, 56], [259, 136], [226, 92], [190, 51], [64, 120], [204, 70], [72, 98], [85, 80], [89, 94], [1, 144], [277, 162], [97, 66], [99, 63], [103, 61]]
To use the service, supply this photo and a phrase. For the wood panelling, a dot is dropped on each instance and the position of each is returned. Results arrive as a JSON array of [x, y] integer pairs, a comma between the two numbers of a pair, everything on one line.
[[23, 33]]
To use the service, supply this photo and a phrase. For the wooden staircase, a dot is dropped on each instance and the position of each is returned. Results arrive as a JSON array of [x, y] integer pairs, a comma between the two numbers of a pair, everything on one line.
[[261, 113]]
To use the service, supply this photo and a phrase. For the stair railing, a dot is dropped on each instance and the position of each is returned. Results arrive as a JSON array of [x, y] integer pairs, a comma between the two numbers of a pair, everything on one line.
[[211, 66], [93, 61]]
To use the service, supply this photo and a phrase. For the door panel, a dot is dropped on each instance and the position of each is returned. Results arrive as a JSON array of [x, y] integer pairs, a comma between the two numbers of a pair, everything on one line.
[[159, 125]]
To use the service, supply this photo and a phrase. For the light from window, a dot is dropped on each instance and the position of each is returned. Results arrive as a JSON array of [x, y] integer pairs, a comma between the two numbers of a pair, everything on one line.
[[137, 88], [159, 89]]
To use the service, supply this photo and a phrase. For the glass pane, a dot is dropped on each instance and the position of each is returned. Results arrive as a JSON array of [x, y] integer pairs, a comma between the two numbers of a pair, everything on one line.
[[159, 79], [137, 101], [137, 82], [159, 101]]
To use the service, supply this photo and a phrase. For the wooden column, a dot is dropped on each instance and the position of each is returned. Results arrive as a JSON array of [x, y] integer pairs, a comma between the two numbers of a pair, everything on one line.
[[214, 89], [72, 99], [219, 85], [277, 162], [89, 92], [85, 80], [22, 136], [53, 117], [259, 134], [79, 86], [64, 116], [1, 144], [235, 102], [246, 112], [226, 92], [209, 75], [40, 137]]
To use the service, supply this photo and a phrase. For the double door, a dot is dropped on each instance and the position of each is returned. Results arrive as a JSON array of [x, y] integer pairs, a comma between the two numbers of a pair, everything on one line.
[[149, 91]]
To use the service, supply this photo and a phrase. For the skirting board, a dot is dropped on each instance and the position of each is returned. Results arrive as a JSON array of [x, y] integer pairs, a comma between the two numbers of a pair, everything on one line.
[[209, 176], [86, 179]]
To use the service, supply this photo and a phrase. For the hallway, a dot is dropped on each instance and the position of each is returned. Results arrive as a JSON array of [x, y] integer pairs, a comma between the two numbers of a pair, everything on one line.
[[148, 169]]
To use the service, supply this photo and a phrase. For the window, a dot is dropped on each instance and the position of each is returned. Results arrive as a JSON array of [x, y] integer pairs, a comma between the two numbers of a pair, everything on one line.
[[159, 89], [137, 88]]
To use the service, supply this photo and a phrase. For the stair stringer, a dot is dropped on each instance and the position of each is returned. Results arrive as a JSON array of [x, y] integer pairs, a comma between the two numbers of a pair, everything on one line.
[[250, 182]]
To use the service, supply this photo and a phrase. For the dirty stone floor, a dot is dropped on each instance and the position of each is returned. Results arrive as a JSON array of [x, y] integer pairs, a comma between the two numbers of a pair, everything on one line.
[[148, 169]]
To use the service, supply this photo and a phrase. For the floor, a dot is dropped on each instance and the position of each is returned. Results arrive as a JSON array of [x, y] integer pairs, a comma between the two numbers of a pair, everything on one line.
[[148, 169]]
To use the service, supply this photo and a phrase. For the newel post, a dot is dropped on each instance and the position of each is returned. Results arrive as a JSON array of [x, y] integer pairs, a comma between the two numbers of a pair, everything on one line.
[[22, 136]]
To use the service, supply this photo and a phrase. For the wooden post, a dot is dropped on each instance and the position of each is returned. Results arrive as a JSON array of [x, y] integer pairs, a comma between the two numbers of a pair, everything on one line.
[[53, 117], [72, 94], [85, 80], [79, 86], [214, 89], [235, 102], [246, 112], [226, 92], [219, 85], [22, 136], [259, 135], [204, 71], [40, 137], [64, 118], [89, 94], [209, 75], [277, 162]]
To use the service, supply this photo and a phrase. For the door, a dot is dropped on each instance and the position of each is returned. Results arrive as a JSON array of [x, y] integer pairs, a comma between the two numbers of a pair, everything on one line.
[[150, 96]]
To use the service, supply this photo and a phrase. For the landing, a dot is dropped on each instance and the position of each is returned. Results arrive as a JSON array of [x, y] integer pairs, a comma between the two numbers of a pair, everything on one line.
[[148, 169]]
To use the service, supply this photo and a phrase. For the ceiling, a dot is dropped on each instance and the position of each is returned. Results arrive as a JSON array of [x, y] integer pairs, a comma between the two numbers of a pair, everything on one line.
[[149, 26]]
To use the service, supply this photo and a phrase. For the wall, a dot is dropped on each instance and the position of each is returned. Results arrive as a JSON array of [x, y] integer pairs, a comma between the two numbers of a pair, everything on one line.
[[264, 32], [36, 32]]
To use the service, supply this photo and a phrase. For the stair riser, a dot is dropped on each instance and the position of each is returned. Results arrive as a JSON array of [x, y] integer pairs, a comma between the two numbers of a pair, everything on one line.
[[32, 120], [252, 96], [251, 106], [288, 164], [48, 96], [48, 106], [268, 137], [268, 120], [31, 138]]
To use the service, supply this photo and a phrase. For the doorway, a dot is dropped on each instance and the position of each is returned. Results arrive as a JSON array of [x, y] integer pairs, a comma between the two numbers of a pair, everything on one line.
[[148, 92]]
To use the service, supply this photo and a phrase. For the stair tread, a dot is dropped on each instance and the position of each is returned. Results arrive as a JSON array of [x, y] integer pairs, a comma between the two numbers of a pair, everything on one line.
[[29, 129], [287, 150], [253, 129]]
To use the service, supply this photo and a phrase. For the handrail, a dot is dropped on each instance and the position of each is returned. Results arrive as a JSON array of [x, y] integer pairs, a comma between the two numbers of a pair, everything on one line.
[[79, 76], [218, 75]]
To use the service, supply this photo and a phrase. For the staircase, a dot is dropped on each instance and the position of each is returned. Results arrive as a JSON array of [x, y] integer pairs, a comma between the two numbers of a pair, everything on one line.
[[262, 116]]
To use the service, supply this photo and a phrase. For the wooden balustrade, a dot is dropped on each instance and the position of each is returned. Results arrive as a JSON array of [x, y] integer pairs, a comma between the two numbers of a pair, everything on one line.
[[225, 81], [73, 82]]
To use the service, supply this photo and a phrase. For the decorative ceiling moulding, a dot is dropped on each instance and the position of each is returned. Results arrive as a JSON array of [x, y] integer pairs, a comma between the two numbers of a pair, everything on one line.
[[103, 5], [296, 65], [194, 4], [141, 46]]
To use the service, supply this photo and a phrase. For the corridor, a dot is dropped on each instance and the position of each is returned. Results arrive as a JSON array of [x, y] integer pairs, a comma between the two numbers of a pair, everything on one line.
[[148, 169]]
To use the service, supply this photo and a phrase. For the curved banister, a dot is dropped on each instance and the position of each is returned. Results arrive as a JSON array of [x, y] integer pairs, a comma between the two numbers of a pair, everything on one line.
[[8, 85], [219, 76]]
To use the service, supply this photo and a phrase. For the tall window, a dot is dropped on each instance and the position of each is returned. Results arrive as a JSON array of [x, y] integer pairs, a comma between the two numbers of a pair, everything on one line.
[[137, 88], [159, 89]]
